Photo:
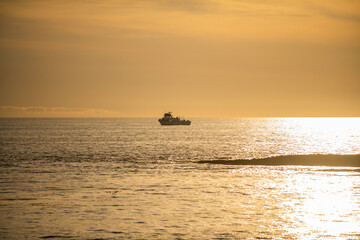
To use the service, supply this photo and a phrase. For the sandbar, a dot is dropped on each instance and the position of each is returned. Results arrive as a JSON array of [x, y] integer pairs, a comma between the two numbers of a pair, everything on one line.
[[304, 160]]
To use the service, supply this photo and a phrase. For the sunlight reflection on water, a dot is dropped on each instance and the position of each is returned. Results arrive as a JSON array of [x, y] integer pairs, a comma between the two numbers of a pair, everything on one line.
[[328, 206], [317, 135], [132, 179]]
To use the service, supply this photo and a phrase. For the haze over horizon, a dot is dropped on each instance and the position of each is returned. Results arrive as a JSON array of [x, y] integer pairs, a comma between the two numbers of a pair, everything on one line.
[[197, 58]]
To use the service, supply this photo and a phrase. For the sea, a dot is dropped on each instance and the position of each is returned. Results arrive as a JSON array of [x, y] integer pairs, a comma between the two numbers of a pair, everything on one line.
[[122, 178]]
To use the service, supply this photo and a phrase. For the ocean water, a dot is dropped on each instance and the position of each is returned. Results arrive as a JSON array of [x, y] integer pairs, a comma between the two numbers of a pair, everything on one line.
[[135, 179]]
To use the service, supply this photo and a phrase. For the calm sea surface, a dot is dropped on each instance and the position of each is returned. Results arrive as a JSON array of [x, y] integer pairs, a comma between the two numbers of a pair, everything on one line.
[[135, 179]]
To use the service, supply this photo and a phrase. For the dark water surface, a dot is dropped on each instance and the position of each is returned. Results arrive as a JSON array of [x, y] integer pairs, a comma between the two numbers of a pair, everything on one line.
[[132, 178]]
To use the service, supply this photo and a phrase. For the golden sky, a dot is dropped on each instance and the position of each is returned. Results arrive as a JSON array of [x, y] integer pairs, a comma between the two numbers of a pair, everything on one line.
[[197, 58]]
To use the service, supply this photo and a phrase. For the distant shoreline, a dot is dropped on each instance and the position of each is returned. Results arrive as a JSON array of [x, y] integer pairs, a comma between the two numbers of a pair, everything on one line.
[[304, 160]]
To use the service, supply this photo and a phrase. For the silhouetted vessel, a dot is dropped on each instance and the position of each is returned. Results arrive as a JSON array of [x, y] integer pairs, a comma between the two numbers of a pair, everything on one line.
[[168, 119]]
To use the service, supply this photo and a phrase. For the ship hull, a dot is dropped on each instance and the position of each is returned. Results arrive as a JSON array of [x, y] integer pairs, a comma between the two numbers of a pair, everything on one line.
[[170, 122]]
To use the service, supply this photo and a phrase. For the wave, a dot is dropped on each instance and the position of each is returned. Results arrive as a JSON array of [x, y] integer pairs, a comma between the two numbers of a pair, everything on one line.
[[304, 160]]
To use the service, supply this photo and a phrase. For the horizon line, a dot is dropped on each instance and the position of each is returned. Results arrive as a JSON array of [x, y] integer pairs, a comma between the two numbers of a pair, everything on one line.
[[117, 117]]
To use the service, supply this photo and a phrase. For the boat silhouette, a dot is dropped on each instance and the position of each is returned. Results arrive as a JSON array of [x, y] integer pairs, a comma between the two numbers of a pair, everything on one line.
[[168, 119]]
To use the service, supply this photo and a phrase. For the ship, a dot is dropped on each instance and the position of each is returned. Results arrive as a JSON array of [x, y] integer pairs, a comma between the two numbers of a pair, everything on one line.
[[168, 119]]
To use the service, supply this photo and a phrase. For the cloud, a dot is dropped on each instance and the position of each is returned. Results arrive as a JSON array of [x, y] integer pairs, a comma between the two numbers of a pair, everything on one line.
[[41, 111], [193, 6], [340, 14]]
